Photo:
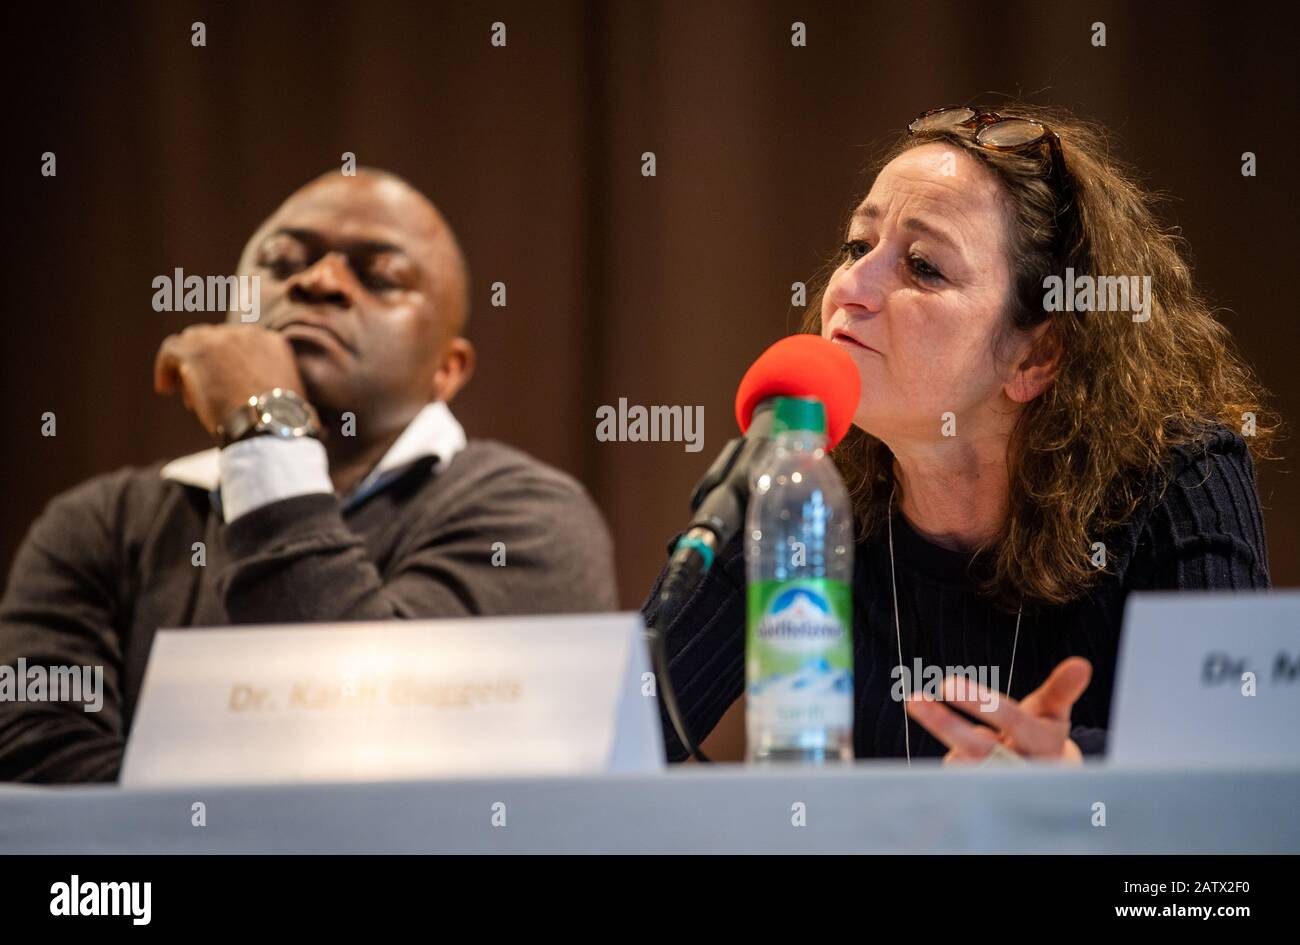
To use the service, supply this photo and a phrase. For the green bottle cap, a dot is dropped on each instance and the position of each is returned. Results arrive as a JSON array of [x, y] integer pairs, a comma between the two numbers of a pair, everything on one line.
[[798, 413]]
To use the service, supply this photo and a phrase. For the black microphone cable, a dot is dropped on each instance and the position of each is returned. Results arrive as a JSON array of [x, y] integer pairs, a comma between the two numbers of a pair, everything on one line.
[[692, 557]]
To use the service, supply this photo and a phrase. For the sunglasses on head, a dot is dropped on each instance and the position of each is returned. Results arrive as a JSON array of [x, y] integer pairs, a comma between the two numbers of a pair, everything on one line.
[[994, 132]]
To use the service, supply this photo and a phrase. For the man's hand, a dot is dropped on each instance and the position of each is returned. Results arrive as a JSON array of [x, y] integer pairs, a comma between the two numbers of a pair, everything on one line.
[[1037, 726], [218, 367]]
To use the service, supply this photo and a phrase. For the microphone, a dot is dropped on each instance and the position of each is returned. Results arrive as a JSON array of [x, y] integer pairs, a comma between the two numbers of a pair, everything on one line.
[[797, 366]]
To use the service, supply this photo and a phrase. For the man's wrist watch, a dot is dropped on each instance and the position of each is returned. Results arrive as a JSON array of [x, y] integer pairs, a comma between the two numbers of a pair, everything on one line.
[[278, 412]]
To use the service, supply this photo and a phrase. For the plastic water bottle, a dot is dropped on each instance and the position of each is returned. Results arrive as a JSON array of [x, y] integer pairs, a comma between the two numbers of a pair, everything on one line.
[[799, 563]]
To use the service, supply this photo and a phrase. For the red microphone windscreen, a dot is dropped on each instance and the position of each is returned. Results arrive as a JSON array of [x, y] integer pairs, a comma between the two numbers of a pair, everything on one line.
[[803, 366]]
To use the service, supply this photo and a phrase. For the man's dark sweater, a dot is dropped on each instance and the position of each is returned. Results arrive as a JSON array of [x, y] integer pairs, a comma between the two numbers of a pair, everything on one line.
[[1204, 532], [111, 561]]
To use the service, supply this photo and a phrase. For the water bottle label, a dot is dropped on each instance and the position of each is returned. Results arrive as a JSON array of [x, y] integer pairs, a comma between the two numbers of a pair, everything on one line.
[[799, 654]]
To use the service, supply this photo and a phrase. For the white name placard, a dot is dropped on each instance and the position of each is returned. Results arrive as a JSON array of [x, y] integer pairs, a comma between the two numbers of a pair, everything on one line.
[[1208, 677], [396, 700]]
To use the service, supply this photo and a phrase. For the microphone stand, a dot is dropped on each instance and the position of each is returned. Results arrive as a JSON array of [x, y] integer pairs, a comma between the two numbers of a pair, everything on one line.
[[718, 504]]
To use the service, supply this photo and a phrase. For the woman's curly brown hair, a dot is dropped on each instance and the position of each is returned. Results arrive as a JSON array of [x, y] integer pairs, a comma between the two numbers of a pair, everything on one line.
[[1085, 453]]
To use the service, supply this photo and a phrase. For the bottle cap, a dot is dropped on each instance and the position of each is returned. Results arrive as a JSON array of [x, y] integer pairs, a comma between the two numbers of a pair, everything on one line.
[[798, 413]]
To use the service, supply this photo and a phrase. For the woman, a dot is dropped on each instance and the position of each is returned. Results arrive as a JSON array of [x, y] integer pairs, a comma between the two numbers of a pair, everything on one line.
[[1035, 440]]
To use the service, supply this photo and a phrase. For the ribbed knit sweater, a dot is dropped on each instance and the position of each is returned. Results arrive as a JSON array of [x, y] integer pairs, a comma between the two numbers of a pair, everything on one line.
[[110, 562], [1203, 531]]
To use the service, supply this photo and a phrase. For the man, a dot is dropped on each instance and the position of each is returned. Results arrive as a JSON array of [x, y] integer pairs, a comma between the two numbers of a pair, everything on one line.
[[343, 488]]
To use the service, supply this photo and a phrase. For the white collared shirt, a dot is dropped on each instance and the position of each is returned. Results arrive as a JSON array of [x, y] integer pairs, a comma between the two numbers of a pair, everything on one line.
[[264, 469]]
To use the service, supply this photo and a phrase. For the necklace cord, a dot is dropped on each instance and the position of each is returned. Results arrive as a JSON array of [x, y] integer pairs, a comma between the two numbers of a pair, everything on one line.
[[898, 633]]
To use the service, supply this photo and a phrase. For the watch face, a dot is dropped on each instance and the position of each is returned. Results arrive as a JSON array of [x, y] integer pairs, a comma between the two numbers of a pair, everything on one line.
[[285, 415]]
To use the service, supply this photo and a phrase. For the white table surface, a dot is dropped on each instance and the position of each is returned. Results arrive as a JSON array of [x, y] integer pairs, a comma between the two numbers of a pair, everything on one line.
[[869, 807]]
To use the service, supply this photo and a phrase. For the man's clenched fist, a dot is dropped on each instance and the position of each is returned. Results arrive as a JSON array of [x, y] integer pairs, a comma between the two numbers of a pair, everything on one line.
[[218, 367]]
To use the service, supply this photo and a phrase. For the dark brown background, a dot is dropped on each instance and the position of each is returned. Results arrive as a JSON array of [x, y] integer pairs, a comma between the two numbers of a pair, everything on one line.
[[659, 290]]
